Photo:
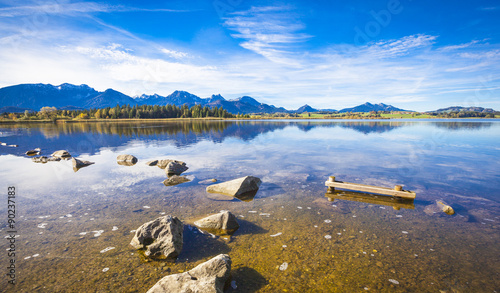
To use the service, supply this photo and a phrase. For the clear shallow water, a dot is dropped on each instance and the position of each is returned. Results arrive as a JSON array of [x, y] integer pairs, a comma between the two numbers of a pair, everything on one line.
[[329, 246]]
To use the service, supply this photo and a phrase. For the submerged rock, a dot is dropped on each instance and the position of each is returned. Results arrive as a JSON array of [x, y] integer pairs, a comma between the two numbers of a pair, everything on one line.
[[237, 186], [222, 223], [77, 164], [61, 154], [438, 207], [126, 160], [207, 181], [445, 207], [175, 180], [175, 167], [210, 276], [161, 238], [152, 163]]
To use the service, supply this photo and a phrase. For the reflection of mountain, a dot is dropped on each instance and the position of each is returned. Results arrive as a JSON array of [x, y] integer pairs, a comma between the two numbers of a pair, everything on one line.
[[89, 138], [458, 125], [372, 127]]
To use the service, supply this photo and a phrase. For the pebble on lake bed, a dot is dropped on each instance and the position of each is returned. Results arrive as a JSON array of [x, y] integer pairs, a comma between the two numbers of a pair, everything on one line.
[[105, 270], [328, 237], [107, 249], [394, 281], [283, 266], [277, 234]]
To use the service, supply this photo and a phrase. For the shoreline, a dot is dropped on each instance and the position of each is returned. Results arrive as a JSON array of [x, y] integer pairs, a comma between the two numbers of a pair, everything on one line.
[[226, 119]]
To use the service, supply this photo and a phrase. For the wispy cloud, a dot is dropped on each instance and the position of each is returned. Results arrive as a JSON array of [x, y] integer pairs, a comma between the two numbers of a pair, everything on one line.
[[489, 8], [460, 46], [175, 54], [268, 31], [399, 47], [56, 7]]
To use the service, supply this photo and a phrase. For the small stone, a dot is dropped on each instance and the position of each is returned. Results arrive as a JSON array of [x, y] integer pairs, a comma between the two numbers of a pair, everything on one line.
[[126, 160], [33, 152], [175, 167], [175, 180], [447, 209], [77, 164], [61, 154]]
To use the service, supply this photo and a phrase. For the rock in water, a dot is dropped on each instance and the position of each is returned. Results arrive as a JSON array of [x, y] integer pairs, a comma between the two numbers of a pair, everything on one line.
[[210, 276], [161, 238], [175, 167], [175, 179], [163, 163], [33, 152], [445, 207], [222, 223], [237, 186], [126, 160], [152, 163], [77, 164], [61, 154]]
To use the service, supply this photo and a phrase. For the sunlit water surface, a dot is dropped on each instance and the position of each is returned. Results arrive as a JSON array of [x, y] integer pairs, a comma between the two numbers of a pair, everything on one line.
[[75, 227]]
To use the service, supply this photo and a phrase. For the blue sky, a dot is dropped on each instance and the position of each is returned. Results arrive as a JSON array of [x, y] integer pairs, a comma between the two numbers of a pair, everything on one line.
[[414, 54]]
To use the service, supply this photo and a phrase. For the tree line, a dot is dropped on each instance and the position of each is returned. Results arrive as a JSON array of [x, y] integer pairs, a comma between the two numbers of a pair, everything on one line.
[[464, 114], [126, 112]]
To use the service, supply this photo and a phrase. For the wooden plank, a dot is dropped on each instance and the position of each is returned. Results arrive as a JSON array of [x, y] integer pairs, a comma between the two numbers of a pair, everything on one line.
[[370, 188], [396, 203]]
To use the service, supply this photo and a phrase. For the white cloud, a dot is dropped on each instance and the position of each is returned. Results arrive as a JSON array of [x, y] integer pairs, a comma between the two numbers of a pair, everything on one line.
[[175, 54], [268, 31]]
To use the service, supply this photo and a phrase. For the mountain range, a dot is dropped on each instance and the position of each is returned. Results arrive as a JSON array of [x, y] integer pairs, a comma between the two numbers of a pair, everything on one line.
[[464, 109], [18, 98]]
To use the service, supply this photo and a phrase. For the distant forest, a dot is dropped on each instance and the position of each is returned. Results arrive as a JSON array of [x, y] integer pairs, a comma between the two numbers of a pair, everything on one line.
[[197, 111], [125, 112]]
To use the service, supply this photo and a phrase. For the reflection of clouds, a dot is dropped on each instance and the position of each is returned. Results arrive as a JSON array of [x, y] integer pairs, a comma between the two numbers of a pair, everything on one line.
[[459, 161]]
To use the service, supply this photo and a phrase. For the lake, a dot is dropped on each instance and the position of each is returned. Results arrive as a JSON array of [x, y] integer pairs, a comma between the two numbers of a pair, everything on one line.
[[74, 228]]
